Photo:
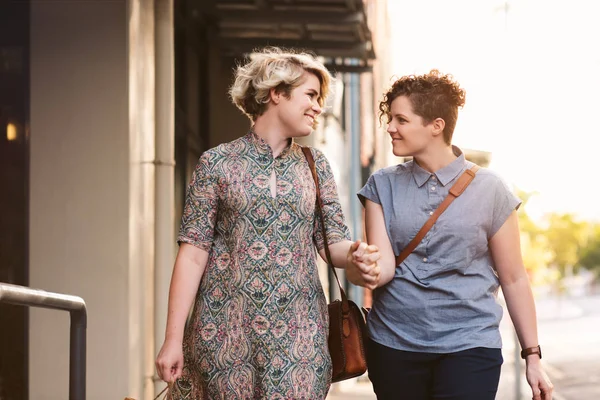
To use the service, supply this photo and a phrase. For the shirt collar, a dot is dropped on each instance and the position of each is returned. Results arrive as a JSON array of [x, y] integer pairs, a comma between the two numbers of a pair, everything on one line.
[[263, 146], [444, 175]]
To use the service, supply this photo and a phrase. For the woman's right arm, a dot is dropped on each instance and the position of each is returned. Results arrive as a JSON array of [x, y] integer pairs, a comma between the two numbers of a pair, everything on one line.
[[376, 235], [187, 273]]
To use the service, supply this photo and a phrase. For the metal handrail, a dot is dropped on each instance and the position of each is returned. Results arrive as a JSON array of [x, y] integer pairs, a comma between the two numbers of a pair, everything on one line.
[[28, 297]]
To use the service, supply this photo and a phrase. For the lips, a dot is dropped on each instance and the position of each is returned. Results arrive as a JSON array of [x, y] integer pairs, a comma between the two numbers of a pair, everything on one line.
[[311, 118]]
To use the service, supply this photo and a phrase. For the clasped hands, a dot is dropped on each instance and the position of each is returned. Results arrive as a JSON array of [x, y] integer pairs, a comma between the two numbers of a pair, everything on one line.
[[361, 265]]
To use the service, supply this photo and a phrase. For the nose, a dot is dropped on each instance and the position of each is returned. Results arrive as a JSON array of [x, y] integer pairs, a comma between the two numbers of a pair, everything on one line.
[[391, 129], [316, 108]]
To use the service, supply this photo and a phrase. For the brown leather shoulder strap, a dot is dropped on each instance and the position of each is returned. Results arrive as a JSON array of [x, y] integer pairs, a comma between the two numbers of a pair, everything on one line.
[[456, 190], [318, 205]]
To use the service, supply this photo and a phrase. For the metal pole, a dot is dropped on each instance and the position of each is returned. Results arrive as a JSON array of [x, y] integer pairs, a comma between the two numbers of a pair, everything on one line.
[[77, 355], [353, 130], [517, 366], [516, 352], [28, 297]]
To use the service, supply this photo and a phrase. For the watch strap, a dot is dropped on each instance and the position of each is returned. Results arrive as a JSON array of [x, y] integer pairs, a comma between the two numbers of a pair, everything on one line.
[[531, 350]]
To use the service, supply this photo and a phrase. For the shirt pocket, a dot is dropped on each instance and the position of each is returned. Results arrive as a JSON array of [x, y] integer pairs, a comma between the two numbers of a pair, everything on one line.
[[450, 249]]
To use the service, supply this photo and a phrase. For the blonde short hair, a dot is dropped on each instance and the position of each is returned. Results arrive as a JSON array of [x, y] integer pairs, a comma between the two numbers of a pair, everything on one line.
[[273, 68]]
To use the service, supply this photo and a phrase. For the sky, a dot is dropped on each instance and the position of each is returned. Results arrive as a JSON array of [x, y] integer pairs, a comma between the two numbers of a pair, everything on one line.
[[532, 77]]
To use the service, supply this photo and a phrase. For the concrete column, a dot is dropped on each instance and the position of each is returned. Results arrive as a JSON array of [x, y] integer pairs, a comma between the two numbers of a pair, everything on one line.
[[141, 59], [164, 234]]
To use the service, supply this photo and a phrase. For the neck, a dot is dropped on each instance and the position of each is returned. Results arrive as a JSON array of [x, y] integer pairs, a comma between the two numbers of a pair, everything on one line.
[[272, 134], [436, 159]]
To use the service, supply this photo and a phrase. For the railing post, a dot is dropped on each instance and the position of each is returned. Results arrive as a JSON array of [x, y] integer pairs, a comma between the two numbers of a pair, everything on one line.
[[517, 365], [28, 297], [77, 355]]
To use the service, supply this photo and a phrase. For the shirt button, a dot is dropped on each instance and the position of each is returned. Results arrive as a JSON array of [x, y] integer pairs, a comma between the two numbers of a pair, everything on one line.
[[424, 259], [433, 188], [430, 212]]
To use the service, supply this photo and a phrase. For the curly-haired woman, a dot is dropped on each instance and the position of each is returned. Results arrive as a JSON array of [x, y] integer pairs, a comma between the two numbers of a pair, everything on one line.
[[247, 249], [434, 326]]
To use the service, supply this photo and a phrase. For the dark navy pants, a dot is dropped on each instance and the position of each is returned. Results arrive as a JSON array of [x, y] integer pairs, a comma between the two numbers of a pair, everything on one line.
[[471, 374]]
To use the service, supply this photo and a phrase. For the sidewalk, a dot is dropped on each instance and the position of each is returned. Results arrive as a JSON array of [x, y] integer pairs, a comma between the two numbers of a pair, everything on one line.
[[354, 389]]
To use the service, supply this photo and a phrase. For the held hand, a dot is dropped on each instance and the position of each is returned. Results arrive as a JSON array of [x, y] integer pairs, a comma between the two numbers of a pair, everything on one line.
[[541, 387], [169, 362], [361, 265]]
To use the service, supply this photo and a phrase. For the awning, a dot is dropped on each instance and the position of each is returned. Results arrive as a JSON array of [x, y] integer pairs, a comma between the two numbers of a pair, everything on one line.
[[334, 29]]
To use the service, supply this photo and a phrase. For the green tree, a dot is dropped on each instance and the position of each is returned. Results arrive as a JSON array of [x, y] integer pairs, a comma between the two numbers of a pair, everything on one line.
[[590, 254], [534, 244], [566, 238]]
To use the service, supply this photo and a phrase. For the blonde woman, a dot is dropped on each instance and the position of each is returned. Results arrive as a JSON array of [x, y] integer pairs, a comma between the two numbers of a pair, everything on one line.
[[247, 249]]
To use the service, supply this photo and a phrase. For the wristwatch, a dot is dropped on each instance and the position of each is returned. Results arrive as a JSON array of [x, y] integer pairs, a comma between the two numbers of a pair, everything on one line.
[[531, 350]]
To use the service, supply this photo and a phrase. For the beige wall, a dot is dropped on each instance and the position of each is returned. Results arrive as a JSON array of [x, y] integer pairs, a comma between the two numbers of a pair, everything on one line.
[[79, 210]]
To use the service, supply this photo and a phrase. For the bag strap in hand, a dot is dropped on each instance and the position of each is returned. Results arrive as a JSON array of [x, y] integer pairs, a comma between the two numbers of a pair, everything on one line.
[[456, 190], [319, 204]]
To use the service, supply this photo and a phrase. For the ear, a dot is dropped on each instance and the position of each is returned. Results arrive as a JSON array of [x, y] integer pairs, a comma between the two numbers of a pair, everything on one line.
[[438, 126], [275, 96]]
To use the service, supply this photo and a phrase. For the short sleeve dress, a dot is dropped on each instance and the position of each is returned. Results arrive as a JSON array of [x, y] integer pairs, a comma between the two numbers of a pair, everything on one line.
[[259, 325]]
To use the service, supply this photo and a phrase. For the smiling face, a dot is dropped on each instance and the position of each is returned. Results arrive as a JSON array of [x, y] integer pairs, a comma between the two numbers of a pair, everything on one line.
[[410, 135], [298, 112]]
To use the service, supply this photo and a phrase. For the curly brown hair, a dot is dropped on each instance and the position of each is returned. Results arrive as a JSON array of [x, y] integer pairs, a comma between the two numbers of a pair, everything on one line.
[[432, 95]]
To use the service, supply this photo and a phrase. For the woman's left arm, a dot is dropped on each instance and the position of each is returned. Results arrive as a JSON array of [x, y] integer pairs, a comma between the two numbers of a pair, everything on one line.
[[338, 253], [366, 271], [341, 253], [506, 251], [335, 227]]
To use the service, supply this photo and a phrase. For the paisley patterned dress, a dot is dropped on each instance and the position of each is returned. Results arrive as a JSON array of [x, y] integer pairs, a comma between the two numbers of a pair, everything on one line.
[[259, 326]]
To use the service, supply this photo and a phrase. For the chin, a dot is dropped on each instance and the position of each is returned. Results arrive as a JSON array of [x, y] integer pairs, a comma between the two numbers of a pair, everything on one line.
[[401, 152], [303, 133]]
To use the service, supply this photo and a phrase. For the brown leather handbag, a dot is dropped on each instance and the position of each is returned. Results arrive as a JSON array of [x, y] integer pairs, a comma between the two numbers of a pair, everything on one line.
[[347, 328]]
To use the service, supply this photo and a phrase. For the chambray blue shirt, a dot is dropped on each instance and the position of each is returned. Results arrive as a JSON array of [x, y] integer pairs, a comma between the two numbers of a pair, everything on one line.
[[443, 297]]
